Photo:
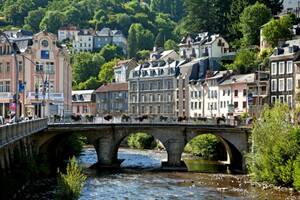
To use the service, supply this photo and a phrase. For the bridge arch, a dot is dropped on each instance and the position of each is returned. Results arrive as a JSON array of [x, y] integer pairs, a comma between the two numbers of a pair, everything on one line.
[[234, 157]]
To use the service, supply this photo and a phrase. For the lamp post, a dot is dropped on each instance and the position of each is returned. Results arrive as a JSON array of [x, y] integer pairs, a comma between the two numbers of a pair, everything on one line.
[[14, 48]]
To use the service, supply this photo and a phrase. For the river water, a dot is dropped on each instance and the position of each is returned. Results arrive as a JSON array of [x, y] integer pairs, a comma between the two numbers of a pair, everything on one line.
[[140, 179]]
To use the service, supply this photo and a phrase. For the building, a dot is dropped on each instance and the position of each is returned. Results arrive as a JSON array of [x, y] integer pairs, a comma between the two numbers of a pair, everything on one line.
[[167, 56], [67, 33], [107, 36], [112, 99], [83, 41], [284, 73], [204, 45], [152, 89], [44, 76], [122, 70], [291, 6], [48, 77], [84, 102], [244, 93]]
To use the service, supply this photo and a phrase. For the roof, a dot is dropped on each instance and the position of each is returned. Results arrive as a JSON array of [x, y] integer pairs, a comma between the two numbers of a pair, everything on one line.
[[82, 96], [112, 87], [242, 78], [122, 62]]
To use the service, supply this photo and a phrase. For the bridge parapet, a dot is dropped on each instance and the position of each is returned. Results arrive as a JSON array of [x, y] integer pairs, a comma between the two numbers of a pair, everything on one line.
[[12, 132]]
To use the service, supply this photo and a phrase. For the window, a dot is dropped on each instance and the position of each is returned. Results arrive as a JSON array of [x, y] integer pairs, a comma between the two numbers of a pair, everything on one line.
[[45, 43], [273, 99], [196, 95], [150, 109], [192, 94], [289, 84], [244, 104], [236, 104], [221, 105], [228, 92], [196, 105], [7, 67], [158, 109], [142, 109], [159, 97], [199, 94], [244, 92], [199, 105], [85, 109], [151, 97], [192, 105], [45, 54], [224, 92], [281, 98], [274, 68], [289, 67], [289, 100], [274, 85], [236, 93], [281, 84], [281, 68]]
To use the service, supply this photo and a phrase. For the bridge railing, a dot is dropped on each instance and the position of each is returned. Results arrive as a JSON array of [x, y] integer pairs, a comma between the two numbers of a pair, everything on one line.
[[12, 132], [132, 120]]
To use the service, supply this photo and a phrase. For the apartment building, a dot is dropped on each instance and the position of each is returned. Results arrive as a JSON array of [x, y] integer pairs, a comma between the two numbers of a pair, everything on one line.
[[44, 76], [152, 88], [112, 99], [284, 73], [122, 70]]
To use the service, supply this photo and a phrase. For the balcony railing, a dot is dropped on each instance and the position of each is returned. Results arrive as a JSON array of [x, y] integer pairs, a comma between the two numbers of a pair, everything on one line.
[[6, 95], [51, 96]]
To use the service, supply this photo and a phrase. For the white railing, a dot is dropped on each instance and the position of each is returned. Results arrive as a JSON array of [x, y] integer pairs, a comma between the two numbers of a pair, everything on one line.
[[51, 96], [6, 95], [13, 132]]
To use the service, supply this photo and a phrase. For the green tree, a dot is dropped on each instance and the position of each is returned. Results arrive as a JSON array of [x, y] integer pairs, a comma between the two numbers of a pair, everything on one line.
[[160, 39], [106, 74], [72, 16], [278, 29], [244, 62], [275, 5], [275, 147], [110, 52], [33, 20], [132, 42], [207, 15], [52, 21], [204, 146], [171, 45], [252, 18], [143, 55], [91, 84], [86, 65]]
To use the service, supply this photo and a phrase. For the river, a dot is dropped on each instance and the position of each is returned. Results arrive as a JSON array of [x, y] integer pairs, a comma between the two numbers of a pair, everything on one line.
[[140, 179]]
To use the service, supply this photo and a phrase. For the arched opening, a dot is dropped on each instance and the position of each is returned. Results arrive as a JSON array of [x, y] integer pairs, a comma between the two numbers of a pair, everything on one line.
[[207, 153], [141, 151]]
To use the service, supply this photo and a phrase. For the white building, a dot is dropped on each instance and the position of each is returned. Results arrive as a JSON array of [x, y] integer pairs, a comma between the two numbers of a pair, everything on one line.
[[203, 45], [122, 70], [83, 41], [67, 33]]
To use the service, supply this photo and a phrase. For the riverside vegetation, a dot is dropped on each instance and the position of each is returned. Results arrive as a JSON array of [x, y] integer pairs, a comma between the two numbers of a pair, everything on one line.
[[275, 157], [70, 184]]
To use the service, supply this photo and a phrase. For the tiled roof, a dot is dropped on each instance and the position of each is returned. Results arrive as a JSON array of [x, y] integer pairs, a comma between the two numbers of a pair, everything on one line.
[[242, 78], [113, 87]]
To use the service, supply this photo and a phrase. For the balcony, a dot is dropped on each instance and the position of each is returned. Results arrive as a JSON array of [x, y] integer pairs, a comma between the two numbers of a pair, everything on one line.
[[6, 95], [50, 96]]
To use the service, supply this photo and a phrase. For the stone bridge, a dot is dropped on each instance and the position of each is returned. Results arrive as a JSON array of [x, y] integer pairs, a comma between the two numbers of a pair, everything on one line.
[[107, 138]]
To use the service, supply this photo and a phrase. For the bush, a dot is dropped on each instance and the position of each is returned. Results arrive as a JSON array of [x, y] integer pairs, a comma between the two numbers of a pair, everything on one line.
[[276, 145], [204, 146], [71, 183], [140, 141], [297, 173]]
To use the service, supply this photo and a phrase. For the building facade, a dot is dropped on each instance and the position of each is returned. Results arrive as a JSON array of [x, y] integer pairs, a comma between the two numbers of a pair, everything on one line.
[[83, 103], [152, 88], [122, 70], [284, 75], [48, 77], [83, 41], [44, 77], [112, 99]]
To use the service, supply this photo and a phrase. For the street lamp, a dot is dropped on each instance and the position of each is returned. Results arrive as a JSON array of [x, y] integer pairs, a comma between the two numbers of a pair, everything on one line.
[[15, 50]]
